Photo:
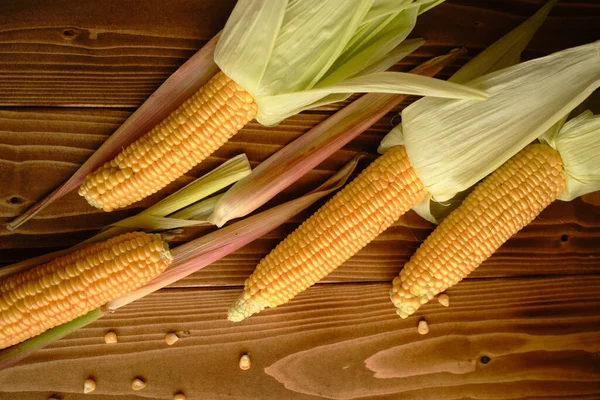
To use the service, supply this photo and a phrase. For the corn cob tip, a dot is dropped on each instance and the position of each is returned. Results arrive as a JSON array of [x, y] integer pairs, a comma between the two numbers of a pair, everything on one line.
[[243, 308], [406, 303]]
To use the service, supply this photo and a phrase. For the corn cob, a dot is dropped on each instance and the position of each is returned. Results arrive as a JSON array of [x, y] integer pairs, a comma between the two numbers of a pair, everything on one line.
[[349, 221], [202, 124], [504, 203], [70, 286]]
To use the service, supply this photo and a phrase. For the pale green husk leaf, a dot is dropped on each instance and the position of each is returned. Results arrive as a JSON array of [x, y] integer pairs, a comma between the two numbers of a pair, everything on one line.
[[397, 54], [380, 82], [293, 55], [578, 143], [401, 51], [428, 5], [506, 51], [224, 175], [199, 211], [503, 53], [453, 144], [393, 138], [370, 44]]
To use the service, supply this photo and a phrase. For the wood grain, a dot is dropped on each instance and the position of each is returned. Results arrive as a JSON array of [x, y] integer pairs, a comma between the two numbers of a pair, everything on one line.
[[64, 55], [336, 341]]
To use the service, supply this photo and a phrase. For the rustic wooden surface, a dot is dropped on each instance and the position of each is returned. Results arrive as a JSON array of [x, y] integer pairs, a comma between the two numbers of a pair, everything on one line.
[[70, 73]]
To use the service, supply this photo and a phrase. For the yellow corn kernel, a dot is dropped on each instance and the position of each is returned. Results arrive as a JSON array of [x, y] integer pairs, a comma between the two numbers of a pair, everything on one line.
[[110, 338], [171, 338], [345, 224], [33, 303], [444, 300], [138, 384], [202, 124], [499, 207], [245, 362], [89, 385], [423, 327]]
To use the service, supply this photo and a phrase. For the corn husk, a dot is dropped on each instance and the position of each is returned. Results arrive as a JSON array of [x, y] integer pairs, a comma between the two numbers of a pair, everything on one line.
[[453, 144], [295, 55], [578, 142], [503, 53], [169, 213], [200, 211]]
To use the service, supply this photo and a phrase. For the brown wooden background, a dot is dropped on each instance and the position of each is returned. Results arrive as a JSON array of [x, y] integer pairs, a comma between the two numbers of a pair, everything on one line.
[[71, 72]]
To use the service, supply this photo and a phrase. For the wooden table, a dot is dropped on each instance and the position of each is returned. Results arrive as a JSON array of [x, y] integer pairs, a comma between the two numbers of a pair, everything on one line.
[[524, 325]]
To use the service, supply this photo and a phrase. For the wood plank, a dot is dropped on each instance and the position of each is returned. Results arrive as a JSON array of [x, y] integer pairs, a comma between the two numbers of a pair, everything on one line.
[[526, 338], [45, 146], [64, 55]]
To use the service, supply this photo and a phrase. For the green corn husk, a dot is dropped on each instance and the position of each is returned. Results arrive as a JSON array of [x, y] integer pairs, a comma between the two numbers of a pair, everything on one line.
[[270, 48], [454, 144], [505, 52]]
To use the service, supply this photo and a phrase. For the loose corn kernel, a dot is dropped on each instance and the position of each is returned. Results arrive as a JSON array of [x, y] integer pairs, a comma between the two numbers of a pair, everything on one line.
[[171, 338], [444, 300], [89, 385], [423, 327], [179, 396], [73, 285], [345, 224], [498, 208], [245, 362], [110, 337], [138, 384], [192, 132]]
